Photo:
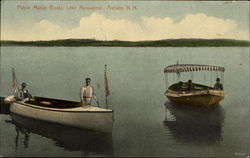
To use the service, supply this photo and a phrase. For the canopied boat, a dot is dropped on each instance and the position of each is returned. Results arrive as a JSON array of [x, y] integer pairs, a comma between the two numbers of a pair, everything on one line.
[[190, 93], [65, 112]]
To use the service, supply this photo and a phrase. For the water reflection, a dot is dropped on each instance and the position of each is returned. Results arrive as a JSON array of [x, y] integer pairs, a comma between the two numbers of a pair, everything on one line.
[[71, 139], [196, 125], [4, 108]]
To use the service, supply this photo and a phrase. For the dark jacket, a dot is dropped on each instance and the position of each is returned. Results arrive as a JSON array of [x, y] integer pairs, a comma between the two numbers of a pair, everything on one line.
[[218, 86], [25, 94]]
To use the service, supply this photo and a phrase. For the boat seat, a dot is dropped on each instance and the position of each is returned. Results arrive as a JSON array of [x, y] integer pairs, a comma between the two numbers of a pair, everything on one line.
[[53, 103]]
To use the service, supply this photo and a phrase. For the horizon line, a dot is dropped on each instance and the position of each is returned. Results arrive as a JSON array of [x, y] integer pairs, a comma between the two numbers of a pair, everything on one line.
[[127, 40]]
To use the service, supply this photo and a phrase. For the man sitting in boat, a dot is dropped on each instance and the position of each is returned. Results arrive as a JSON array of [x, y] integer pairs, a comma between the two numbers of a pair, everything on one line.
[[87, 92], [218, 85], [190, 85], [180, 86], [24, 93]]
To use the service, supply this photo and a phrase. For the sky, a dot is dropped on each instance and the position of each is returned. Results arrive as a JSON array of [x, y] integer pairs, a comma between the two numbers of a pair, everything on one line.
[[124, 20]]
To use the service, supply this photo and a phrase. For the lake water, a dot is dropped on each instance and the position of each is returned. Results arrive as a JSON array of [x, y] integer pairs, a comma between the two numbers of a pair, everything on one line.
[[146, 124]]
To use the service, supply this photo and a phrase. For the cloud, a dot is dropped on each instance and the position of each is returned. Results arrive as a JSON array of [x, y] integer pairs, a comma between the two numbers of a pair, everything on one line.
[[46, 30], [193, 26], [100, 27], [200, 25]]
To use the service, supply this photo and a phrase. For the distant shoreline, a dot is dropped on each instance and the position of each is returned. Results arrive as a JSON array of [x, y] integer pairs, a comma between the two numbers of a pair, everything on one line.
[[158, 43]]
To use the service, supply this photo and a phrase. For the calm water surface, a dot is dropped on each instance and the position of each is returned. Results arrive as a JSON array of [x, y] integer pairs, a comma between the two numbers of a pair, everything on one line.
[[146, 124]]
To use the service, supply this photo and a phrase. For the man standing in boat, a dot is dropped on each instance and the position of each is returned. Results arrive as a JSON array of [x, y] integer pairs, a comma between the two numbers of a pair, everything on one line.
[[24, 93], [218, 85], [87, 92]]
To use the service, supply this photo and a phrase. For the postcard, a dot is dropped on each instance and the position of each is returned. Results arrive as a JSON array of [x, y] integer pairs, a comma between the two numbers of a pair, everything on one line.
[[124, 78]]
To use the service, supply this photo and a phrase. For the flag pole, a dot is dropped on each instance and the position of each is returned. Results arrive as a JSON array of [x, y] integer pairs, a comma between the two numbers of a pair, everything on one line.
[[15, 87], [106, 102], [106, 85]]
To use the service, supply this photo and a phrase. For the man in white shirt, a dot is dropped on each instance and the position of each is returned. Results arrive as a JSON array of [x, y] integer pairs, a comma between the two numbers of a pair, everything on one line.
[[87, 92]]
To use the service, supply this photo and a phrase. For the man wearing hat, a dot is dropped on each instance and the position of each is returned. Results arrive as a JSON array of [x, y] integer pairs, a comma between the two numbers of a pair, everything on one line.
[[24, 93], [218, 85], [87, 92]]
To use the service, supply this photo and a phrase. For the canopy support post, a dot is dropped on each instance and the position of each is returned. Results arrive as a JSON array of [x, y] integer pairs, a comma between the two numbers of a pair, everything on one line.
[[192, 76], [173, 77], [166, 80], [204, 77], [211, 78], [222, 77]]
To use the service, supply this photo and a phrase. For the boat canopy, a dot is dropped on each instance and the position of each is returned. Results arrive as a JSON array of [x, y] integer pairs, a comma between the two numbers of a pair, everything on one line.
[[177, 68]]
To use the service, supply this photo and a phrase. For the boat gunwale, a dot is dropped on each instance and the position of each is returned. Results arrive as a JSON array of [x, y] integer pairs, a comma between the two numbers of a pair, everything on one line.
[[62, 109], [178, 94]]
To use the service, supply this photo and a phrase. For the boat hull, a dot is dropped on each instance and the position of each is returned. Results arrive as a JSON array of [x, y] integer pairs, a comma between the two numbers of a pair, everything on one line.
[[197, 98], [87, 117]]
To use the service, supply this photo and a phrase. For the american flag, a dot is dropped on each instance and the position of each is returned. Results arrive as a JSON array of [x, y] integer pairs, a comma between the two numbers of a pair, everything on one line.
[[15, 84]]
